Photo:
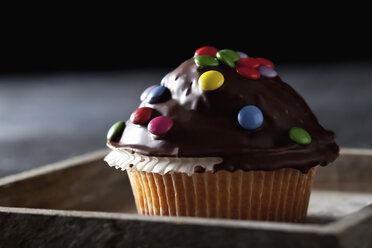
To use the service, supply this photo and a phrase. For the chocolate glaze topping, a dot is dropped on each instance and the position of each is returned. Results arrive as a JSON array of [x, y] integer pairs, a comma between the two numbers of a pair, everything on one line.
[[206, 123]]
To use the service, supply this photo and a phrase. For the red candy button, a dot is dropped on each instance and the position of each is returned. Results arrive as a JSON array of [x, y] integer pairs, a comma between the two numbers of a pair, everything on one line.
[[250, 62], [206, 50], [248, 72], [265, 62], [141, 115]]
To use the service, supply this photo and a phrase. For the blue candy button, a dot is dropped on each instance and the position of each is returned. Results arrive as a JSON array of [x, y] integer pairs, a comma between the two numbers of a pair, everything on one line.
[[146, 92], [158, 94], [250, 117]]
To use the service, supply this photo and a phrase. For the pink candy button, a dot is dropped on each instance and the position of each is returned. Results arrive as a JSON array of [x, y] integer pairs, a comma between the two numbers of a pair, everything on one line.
[[160, 125]]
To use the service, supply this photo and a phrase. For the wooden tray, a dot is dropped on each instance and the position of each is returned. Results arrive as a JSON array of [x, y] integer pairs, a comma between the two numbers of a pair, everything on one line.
[[82, 202]]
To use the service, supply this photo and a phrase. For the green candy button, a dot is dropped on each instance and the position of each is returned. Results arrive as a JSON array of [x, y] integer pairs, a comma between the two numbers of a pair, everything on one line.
[[228, 57], [115, 131], [233, 54], [299, 135], [206, 60]]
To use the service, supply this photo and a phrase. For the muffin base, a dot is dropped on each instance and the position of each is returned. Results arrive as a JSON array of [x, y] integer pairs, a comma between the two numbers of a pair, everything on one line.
[[279, 195]]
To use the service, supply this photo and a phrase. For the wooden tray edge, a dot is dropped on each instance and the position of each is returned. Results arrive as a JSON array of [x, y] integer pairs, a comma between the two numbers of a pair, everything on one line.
[[60, 165], [225, 223]]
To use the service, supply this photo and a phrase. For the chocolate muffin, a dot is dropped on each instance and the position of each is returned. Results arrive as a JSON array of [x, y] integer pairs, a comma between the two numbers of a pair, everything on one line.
[[222, 136]]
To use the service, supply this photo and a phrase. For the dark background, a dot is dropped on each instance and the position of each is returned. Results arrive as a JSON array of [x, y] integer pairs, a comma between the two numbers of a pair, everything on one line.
[[63, 81], [109, 40], [73, 51]]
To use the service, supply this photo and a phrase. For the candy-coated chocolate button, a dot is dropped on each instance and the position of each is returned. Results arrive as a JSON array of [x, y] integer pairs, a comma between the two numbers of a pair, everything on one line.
[[158, 94], [250, 62], [242, 55], [141, 115], [248, 72], [206, 60], [211, 80], [160, 125], [267, 72], [250, 117], [146, 92], [206, 50], [299, 135], [265, 62], [115, 131], [231, 53], [228, 57]]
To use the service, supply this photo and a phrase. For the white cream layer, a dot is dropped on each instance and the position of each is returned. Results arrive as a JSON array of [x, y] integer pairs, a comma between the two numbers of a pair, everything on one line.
[[126, 160]]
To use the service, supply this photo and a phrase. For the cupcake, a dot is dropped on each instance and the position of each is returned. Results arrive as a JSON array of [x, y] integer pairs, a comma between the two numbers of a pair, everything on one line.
[[222, 136]]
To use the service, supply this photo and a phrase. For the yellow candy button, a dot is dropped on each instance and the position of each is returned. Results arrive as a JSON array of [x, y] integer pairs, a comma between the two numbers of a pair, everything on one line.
[[211, 80]]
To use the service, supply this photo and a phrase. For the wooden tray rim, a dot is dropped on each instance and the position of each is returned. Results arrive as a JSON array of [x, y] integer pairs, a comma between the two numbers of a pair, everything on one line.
[[334, 227]]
